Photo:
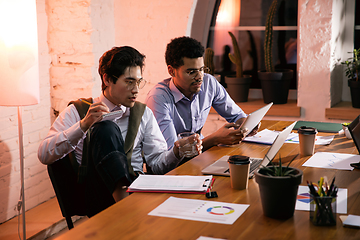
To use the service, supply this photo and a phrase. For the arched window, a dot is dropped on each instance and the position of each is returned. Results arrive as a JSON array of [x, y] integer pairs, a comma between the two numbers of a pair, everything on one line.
[[246, 20]]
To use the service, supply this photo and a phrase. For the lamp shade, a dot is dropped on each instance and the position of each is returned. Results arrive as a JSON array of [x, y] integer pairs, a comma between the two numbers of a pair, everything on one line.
[[19, 65]]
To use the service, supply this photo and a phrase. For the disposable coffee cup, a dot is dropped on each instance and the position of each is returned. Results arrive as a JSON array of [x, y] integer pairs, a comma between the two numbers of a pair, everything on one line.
[[307, 136], [239, 171]]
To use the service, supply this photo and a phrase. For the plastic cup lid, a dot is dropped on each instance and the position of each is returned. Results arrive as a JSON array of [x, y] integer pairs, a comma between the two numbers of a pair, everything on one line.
[[239, 159], [307, 130]]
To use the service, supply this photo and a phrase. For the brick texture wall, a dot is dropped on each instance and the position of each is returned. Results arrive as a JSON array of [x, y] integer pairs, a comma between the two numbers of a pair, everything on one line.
[[72, 36]]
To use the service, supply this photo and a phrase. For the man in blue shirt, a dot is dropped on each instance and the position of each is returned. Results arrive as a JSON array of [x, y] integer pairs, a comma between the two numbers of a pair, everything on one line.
[[182, 103]]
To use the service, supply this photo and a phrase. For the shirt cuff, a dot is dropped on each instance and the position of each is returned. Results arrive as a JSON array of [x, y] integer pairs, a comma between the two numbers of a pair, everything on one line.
[[74, 134]]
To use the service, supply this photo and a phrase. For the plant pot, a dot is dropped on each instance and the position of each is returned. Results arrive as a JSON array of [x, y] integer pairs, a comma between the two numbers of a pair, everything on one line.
[[275, 85], [238, 88], [355, 92], [278, 194]]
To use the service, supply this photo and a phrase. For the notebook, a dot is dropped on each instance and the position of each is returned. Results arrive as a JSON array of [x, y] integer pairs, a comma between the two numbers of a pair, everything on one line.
[[254, 118], [320, 126], [221, 166]]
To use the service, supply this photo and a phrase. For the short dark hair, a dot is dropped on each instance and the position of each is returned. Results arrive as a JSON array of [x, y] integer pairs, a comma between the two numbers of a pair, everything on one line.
[[182, 47], [115, 61]]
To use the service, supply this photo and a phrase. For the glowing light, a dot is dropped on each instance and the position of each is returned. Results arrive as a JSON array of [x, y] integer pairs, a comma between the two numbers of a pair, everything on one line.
[[229, 12], [19, 71]]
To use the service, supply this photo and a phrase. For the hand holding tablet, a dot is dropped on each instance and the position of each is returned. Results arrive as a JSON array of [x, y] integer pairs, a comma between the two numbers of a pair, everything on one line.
[[254, 118]]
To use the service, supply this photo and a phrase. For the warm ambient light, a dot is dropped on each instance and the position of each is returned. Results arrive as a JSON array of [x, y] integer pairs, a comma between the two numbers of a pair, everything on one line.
[[228, 14], [19, 70], [227, 18]]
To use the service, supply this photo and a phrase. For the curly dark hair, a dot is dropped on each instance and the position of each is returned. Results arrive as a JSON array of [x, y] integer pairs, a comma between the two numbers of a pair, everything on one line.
[[182, 47], [115, 61]]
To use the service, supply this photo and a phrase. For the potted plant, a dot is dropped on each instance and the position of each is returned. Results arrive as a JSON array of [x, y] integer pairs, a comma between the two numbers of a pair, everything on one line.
[[237, 86], [275, 83], [278, 187], [209, 63], [352, 72]]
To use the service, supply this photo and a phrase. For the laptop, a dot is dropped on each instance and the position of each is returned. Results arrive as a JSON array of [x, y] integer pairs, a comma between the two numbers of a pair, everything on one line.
[[254, 118], [221, 166]]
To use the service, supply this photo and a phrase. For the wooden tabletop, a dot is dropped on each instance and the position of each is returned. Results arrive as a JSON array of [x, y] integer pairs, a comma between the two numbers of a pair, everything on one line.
[[129, 219]]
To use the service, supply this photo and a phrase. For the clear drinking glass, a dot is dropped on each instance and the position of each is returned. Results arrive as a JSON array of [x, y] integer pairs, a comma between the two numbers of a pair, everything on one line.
[[187, 147]]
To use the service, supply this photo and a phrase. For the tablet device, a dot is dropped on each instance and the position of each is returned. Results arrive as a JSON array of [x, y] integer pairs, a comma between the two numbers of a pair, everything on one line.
[[254, 118]]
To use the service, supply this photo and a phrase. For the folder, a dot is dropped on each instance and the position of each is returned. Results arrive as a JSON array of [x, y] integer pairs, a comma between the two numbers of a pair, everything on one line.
[[320, 126]]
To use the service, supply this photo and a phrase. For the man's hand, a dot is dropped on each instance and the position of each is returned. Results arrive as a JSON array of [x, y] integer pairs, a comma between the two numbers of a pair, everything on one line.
[[188, 143], [254, 131], [95, 111], [229, 134]]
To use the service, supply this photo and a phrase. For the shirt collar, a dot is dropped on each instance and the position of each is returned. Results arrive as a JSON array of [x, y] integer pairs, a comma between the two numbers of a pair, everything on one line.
[[110, 105], [176, 92]]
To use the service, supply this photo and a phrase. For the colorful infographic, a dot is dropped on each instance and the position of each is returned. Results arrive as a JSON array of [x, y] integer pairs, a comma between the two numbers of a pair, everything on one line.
[[200, 210]]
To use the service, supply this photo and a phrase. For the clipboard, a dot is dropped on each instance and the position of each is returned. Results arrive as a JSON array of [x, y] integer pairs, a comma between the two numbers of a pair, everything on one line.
[[172, 184]]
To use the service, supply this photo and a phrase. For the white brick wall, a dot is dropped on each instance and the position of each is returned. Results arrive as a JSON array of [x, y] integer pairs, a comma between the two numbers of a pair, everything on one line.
[[72, 36]]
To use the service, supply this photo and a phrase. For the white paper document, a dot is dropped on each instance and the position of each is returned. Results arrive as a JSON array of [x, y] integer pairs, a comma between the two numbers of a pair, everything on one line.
[[171, 183], [303, 200], [267, 136], [200, 210], [319, 140], [332, 160]]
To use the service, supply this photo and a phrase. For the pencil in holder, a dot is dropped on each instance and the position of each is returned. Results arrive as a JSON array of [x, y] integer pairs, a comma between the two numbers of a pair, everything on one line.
[[323, 210]]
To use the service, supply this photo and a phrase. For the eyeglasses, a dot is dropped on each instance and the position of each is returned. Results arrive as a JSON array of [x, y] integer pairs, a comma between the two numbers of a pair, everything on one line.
[[130, 84], [194, 73]]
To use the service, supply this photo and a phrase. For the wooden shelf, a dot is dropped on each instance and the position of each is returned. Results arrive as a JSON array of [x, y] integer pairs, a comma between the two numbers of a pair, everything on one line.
[[290, 109], [342, 111]]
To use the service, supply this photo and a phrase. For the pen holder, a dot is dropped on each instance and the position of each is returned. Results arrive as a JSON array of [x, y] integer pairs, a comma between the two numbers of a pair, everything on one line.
[[323, 210]]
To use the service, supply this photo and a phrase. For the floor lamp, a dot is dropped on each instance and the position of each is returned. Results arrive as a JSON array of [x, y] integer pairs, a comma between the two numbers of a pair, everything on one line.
[[19, 67]]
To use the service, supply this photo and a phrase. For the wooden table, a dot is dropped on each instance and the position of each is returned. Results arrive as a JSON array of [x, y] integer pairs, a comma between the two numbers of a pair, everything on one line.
[[128, 219]]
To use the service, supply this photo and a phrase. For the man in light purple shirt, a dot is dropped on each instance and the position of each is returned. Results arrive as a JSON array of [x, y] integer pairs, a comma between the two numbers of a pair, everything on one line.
[[183, 102]]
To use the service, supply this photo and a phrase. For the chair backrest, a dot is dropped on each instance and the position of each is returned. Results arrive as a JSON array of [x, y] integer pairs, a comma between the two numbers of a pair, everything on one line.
[[69, 192], [354, 129]]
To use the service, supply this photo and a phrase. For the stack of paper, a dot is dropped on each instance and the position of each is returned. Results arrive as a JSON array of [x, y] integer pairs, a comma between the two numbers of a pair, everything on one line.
[[171, 183], [267, 136]]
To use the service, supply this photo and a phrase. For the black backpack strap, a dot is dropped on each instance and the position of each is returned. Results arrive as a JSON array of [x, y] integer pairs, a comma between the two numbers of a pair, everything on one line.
[[136, 113], [82, 109]]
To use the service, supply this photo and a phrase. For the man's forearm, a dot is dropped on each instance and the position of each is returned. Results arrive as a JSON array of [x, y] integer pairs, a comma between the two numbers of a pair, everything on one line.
[[209, 142]]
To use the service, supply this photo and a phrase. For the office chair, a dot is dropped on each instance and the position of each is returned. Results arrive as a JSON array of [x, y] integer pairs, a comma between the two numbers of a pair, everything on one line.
[[354, 129], [69, 193]]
